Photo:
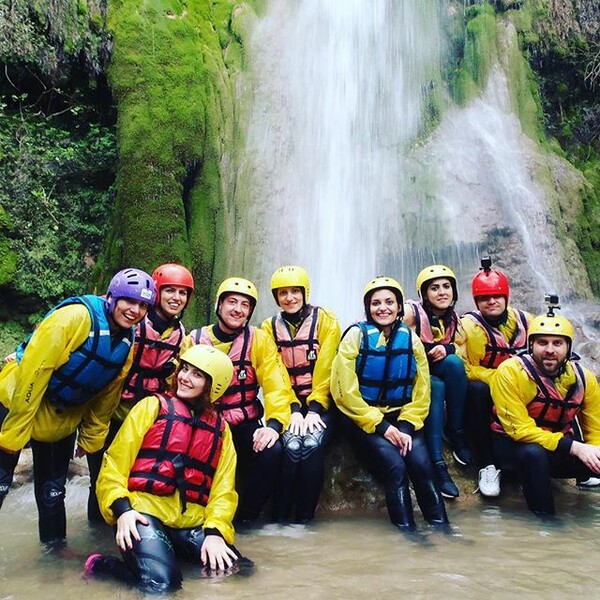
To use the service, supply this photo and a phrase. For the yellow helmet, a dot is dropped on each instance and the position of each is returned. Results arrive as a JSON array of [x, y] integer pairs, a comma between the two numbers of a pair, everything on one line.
[[237, 285], [290, 276], [383, 283], [550, 325], [216, 364], [436, 272]]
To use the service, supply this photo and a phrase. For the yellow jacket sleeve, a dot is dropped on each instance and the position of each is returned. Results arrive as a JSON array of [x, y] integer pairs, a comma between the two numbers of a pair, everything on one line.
[[117, 463], [328, 334], [512, 390], [273, 379], [473, 352], [346, 392], [589, 416]]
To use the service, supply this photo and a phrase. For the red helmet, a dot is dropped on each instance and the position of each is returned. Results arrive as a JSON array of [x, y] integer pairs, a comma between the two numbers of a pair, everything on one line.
[[490, 283], [173, 274]]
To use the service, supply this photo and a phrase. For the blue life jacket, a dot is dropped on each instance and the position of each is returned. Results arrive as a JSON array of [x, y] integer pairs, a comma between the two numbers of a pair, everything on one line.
[[386, 374], [94, 364]]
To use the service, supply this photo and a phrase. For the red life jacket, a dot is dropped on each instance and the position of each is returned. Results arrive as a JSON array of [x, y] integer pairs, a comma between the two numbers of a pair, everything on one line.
[[152, 361], [497, 350], [240, 402], [423, 326], [549, 409], [180, 451], [299, 354]]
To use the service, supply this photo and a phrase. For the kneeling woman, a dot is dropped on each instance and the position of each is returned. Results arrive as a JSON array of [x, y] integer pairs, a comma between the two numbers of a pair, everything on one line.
[[380, 383], [167, 480]]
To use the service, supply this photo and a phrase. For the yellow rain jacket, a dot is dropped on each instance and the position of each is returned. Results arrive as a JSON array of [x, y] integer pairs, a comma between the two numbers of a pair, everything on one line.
[[512, 390], [474, 350], [328, 334], [347, 396], [271, 374], [117, 463], [22, 387]]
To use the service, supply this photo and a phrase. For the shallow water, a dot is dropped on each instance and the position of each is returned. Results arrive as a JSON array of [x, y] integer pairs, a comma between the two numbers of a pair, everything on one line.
[[496, 548]]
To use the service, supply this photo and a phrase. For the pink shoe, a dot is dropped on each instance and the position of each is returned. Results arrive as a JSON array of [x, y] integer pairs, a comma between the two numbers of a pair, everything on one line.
[[88, 567]]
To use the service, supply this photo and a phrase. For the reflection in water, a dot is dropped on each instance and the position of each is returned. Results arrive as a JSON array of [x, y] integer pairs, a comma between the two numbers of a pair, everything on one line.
[[495, 549]]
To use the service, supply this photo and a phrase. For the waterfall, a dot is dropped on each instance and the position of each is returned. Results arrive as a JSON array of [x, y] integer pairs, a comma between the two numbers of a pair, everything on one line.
[[336, 176]]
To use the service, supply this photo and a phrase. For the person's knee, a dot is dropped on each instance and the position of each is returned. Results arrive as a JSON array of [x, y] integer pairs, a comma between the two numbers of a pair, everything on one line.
[[292, 445], [533, 457], [454, 366]]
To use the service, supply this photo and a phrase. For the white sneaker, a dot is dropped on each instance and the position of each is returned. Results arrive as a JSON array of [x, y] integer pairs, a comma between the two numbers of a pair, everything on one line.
[[590, 483], [489, 481]]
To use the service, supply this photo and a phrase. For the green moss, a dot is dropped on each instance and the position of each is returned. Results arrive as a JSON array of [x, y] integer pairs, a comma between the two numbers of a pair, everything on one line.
[[172, 74], [479, 52]]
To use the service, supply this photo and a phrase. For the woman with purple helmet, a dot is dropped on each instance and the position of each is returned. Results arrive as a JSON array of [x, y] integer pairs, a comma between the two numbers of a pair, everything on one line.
[[65, 383]]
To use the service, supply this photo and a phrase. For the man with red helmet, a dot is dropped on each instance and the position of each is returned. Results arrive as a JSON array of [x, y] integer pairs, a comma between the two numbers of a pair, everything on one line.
[[495, 332], [65, 383], [158, 338]]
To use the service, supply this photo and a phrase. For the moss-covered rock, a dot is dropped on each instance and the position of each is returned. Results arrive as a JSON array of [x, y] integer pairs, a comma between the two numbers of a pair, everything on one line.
[[172, 73]]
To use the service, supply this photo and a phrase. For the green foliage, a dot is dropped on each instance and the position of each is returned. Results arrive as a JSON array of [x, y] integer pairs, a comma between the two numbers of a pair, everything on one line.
[[476, 56], [11, 335], [54, 185]]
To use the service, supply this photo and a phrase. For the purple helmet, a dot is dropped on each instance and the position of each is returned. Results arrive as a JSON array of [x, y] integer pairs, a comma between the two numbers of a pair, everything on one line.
[[133, 284]]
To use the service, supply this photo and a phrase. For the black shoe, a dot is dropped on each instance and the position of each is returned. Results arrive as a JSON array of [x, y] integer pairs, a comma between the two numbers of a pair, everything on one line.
[[460, 448], [448, 488]]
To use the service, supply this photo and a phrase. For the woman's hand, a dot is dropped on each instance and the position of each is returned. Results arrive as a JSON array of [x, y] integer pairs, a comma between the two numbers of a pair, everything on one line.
[[402, 441], [297, 425], [313, 422], [264, 437], [216, 554], [437, 353], [127, 529]]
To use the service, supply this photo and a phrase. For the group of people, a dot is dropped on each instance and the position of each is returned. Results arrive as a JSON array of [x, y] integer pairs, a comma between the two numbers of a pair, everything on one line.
[[188, 435]]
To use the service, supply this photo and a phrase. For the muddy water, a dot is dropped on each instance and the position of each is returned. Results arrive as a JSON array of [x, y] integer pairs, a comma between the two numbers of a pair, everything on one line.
[[495, 548]]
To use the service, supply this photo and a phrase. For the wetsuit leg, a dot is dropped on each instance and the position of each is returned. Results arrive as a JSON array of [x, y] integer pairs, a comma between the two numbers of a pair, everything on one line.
[[434, 423], [257, 471], [50, 467], [285, 485], [532, 462], [8, 463], [421, 474], [311, 470], [150, 564], [451, 370], [388, 465], [478, 419], [94, 462]]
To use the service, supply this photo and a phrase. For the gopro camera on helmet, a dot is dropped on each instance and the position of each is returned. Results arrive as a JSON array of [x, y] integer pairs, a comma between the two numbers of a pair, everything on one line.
[[552, 301], [486, 263]]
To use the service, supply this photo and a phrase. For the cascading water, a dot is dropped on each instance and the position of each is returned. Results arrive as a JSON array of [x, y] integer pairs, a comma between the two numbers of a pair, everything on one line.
[[335, 177]]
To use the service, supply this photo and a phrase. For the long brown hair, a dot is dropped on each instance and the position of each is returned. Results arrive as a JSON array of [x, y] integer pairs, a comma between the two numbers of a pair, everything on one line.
[[202, 403]]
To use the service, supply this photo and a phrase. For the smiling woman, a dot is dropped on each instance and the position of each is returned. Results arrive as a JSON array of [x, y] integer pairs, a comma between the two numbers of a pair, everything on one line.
[[380, 383], [45, 400]]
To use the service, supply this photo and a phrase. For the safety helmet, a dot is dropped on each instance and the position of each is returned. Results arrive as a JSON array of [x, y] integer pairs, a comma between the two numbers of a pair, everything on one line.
[[214, 363], [173, 274], [436, 272], [490, 283], [550, 325], [380, 283], [237, 285], [290, 276], [133, 284]]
